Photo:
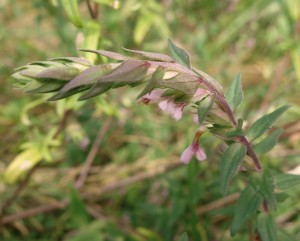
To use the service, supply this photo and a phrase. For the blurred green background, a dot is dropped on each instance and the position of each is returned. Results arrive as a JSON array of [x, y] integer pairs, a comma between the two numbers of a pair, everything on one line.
[[136, 188]]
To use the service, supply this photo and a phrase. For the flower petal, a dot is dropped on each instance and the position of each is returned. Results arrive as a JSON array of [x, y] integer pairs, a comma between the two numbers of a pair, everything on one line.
[[163, 105], [200, 154], [187, 155], [177, 114]]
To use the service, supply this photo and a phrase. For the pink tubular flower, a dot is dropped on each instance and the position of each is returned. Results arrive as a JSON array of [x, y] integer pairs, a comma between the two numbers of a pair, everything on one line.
[[193, 150], [190, 151], [153, 96], [166, 104]]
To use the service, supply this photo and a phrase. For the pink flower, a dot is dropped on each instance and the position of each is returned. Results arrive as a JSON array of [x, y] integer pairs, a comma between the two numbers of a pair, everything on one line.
[[153, 96], [173, 108], [166, 104], [190, 151]]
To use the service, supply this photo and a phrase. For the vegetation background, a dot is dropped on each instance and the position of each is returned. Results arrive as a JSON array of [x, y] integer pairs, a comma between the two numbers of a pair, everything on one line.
[[136, 188]]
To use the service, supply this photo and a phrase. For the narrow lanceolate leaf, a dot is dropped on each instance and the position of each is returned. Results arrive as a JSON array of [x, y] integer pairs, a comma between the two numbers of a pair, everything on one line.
[[285, 181], [108, 54], [246, 206], [77, 208], [265, 122], [59, 73], [185, 83], [130, 71], [152, 83], [266, 188], [48, 87], [266, 227], [97, 89], [179, 54], [72, 11], [62, 95], [77, 60], [88, 77], [152, 55], [204, 108], [268, 143], [234, 95], [230, 163]]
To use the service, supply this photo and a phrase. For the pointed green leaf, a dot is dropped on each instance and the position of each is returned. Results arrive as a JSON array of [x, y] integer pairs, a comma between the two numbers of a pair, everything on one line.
[[266, 227], [265, 122], [230, 163], [246, 206], [77, 60], [98, 89], [268, 143], [108, 54], [285, 181], [48, 87], [179, 54], [152, 55], [88, 77], [62, 95], [152, 83], [79, 215], [266, 188], [59, 73], [130, 71], [205, 107], [238, 131], [234, 95], [184, 237], [72, 11], [185, 83]]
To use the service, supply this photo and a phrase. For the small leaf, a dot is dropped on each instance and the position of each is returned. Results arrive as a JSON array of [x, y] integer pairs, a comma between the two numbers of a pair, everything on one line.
[[48, 87], [72, 11], [265, 122], [179, 54], [130, 71], [204, 108], [230, 163], [266, 187], [285, 181], [62, 95], [59, 73], [268, 143], [234, 95], [97, 89], [88, 77], [79, 215], [238, 131], [77, 60], [246, 206], [152, 55], [266, 227], [185, 83], [108, 54], [184, 237], [152, 83]]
